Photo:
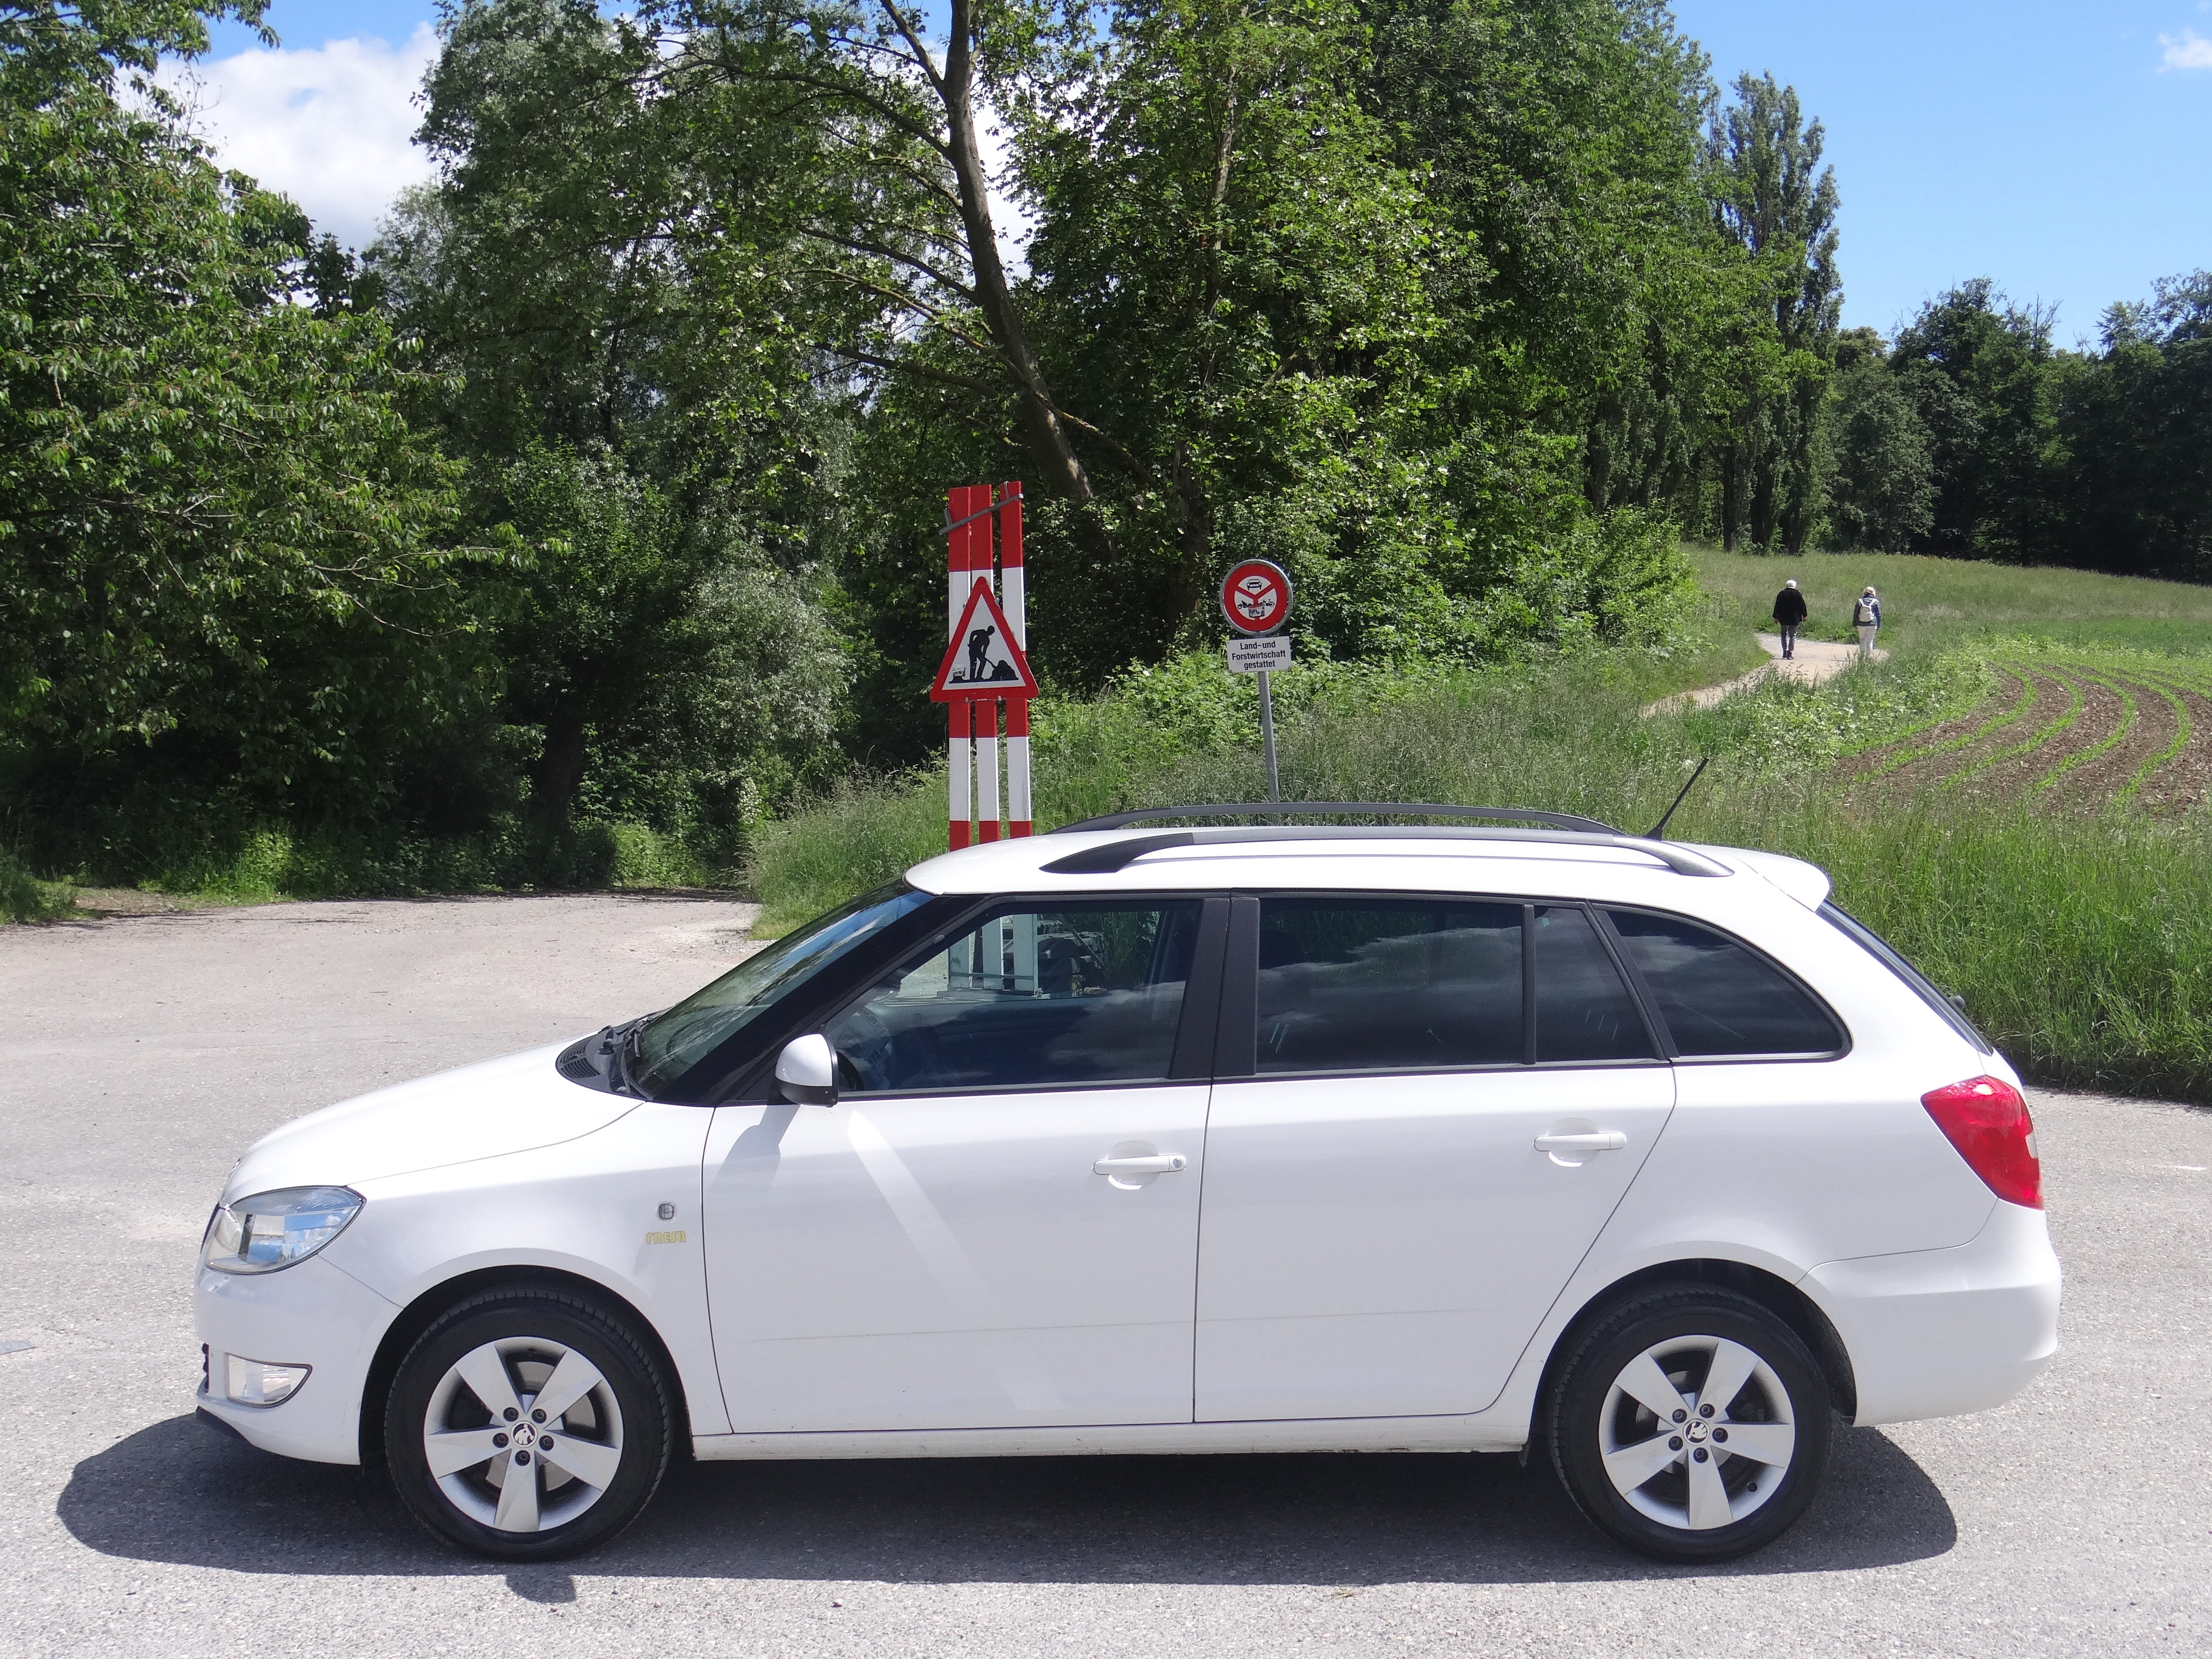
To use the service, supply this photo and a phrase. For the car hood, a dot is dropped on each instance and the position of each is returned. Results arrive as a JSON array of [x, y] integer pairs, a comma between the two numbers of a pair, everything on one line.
[[515, 1104]]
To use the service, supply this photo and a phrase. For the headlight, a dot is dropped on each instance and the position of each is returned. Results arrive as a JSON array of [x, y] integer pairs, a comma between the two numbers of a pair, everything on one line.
[[269, 1231]]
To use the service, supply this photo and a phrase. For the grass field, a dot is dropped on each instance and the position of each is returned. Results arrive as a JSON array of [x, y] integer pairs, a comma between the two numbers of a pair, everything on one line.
[[2017, 799], [1932, 603]]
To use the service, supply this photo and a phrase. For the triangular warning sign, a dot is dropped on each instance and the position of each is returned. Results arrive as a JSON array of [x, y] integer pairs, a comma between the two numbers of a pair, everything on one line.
[[982, 659]]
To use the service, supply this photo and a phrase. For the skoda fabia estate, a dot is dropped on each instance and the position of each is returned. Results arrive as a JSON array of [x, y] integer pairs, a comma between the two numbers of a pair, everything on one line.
[[1640, 1156]]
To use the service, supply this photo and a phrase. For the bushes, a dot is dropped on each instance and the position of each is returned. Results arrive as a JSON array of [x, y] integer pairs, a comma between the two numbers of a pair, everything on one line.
[[24, 897]]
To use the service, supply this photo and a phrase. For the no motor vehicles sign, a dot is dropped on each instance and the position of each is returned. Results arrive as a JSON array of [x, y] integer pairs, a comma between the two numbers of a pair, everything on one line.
[[1255, 597]]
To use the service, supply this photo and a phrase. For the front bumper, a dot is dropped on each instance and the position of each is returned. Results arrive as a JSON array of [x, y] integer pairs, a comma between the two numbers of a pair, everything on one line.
[[314, 1315], [1936, 1332]]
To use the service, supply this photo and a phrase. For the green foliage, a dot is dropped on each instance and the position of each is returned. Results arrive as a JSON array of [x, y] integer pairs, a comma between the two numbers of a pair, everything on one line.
[[219, 534], [1976, 364], [24, 897], [1784, 728], [1773, 198], [1882, 482], [228, 582], [2137, 494]]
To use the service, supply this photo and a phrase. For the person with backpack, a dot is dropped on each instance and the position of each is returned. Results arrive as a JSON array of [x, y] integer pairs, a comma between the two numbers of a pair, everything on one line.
[[1866, 617], [1789, 616]]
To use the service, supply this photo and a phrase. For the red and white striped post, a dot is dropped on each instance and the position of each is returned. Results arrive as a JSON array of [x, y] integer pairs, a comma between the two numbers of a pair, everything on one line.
[[973, 739]]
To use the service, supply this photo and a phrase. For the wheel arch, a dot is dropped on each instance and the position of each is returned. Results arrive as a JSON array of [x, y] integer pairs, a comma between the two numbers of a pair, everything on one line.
[[422, 1313], [1777, 1295]]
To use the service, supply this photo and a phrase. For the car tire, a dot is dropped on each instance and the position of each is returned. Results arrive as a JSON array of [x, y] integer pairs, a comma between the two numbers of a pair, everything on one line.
[[1647, 1457], [484, 1464]]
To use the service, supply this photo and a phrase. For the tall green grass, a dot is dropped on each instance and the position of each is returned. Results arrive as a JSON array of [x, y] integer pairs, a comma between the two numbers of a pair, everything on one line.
[[2082, 945]]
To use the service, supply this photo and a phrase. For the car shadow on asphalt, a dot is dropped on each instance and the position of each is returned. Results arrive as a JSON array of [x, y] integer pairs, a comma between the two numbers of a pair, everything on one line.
[[175, 1493]]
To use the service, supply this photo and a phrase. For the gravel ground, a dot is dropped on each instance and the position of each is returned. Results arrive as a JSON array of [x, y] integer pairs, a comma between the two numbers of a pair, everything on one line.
[[139, 1056]]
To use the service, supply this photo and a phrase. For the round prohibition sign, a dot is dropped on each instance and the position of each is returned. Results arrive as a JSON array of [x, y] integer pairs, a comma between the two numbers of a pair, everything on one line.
[[1255, 597]]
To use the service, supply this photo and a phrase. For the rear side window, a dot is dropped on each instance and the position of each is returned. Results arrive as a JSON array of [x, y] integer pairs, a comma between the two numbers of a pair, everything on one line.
[[1583, 1010], [1718, 998], [1388, 985]]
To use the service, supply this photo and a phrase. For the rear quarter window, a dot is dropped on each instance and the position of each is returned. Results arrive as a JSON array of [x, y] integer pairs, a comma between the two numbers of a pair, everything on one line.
[[1876, 946], [1718, 998]]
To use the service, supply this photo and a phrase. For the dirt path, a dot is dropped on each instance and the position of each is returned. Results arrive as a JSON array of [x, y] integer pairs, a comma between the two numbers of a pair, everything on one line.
[[1813, 662]]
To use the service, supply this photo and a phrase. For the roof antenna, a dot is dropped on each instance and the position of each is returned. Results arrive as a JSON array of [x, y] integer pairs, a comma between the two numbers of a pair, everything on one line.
[[1653, 833]]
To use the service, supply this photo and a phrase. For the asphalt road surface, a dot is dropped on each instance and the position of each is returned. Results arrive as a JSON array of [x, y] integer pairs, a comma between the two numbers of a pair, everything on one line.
[[138, 1056]]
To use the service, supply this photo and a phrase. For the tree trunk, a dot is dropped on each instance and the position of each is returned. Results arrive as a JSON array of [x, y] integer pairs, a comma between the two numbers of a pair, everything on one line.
[[554, 780], [1731, 499], [1046, 433]]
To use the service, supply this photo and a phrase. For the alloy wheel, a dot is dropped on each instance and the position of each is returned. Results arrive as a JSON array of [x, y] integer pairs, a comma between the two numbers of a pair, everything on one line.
[[523, 1434], [1697, 1432]]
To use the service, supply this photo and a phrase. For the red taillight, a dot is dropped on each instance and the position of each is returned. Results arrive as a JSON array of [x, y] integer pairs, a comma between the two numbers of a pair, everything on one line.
[[1987, 1121]]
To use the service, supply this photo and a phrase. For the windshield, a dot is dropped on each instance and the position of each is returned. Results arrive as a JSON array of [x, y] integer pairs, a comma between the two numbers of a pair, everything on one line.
[[679, 1039]]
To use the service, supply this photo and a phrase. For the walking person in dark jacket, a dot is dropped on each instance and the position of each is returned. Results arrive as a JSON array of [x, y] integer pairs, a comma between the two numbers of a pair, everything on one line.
[[1790, 616]]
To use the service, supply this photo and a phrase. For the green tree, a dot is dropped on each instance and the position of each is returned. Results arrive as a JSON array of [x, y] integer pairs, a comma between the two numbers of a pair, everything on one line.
[[2132, 425], [608, 271], [1977, 366], [1771, 196], [225, 553], [1229, 276], [1881, 467]]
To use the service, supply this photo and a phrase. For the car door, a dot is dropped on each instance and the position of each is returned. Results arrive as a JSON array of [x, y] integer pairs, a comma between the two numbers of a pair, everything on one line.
[[996, 1225], [1424, 1141]]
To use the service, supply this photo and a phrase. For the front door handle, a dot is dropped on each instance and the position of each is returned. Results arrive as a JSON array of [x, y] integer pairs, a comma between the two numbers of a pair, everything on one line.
[[1595, 1140], [1158, 1164]]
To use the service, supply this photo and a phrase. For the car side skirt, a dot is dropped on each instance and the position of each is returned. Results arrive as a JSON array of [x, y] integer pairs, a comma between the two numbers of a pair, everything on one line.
[[1341, 1434]]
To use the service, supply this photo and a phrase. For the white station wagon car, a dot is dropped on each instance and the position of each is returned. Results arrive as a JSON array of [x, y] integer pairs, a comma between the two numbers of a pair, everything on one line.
[[1637, 1154]]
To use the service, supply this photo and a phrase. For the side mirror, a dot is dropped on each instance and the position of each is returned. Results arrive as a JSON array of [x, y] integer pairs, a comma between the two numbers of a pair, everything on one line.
[[806, 1070]]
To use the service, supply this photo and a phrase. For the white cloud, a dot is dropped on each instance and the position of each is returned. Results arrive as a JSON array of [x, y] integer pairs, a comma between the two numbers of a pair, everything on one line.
[[2186, 50], [330, 126]]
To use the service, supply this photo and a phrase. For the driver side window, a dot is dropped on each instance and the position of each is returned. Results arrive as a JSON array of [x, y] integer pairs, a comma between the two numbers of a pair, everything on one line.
[[1027, 998]]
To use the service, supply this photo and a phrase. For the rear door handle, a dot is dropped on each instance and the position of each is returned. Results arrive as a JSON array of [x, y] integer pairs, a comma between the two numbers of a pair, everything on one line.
[[1158, 1164], [1596, 1141]]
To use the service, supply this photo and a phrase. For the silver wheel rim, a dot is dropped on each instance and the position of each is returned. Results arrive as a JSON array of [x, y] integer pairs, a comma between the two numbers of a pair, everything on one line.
[[523, 1434], [1697, 1432]]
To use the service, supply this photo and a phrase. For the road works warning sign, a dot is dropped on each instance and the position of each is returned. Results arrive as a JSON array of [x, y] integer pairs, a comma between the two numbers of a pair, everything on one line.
[[982, 659]]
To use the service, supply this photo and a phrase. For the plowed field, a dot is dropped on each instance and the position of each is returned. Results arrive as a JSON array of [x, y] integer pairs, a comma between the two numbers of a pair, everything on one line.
[[2077, 735]]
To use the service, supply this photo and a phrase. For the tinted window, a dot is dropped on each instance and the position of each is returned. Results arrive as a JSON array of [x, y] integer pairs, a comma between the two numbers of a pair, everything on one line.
[[1718, 998], [695, 1027], [1583, 1011], [1027, 998], [1388, 985]]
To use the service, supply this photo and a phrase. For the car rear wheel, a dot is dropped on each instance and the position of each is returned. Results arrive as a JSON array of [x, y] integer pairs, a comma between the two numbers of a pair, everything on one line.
[[1692, 1424], [527, 1425]]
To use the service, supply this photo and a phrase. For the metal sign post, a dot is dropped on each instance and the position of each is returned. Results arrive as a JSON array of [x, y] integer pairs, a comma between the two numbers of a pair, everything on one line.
[[1255, 598], [986, 662]]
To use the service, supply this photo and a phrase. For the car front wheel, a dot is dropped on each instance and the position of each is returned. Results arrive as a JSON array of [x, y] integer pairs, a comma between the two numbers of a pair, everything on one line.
[[1692, 1424], [527, 1425]]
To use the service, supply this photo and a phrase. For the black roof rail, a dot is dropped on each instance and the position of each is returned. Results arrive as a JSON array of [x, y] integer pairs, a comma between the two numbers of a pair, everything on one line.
[[1107, 857], [1309, 809]]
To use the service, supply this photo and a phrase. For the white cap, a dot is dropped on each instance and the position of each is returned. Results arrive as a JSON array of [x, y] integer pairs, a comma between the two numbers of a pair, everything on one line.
[[1792, 582]]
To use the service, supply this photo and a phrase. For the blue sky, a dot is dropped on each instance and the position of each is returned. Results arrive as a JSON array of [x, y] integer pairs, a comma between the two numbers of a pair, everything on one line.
[[2060, 148]]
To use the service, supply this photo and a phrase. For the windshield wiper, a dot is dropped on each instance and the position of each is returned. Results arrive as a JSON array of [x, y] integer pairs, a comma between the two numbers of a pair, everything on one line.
[[619, 1043]]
